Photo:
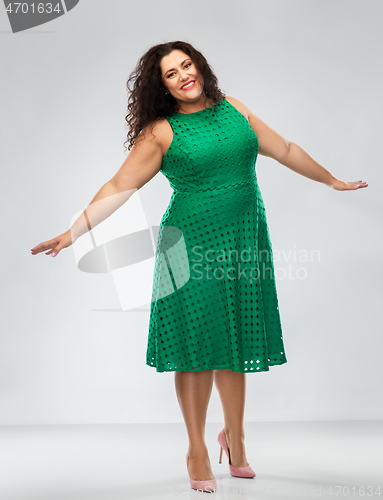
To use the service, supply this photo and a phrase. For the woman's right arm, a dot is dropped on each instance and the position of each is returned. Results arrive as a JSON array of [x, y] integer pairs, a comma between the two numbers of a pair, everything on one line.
[[141, 165]]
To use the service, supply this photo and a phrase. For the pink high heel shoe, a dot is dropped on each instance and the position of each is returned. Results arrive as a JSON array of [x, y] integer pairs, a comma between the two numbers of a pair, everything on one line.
[[234, 471], [208, 486]]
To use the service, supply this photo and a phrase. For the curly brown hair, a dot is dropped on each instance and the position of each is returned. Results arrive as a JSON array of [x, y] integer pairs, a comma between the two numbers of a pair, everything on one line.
[[147, 101]]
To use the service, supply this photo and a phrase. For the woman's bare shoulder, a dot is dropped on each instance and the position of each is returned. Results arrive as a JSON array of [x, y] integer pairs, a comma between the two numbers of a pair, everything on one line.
[[239, 105], [160, 132]]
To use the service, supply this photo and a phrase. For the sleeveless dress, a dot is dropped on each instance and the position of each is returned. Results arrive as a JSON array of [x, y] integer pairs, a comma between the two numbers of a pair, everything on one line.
[[214, 301]]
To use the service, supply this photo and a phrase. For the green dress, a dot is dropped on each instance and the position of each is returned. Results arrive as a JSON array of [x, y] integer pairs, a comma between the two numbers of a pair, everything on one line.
[[214, 301]]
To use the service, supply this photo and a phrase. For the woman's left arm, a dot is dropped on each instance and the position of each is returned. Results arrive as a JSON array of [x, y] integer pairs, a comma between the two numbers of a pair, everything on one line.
[[293, 156]]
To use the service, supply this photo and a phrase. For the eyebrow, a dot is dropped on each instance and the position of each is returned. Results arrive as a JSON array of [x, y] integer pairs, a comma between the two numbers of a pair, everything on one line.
[[173, 69]]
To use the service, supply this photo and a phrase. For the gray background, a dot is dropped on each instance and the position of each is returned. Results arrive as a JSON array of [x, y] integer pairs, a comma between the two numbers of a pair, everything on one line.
[[310, 70]]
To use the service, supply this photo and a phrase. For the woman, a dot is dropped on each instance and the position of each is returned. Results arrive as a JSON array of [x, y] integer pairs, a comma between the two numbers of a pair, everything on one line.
[[210, 320]]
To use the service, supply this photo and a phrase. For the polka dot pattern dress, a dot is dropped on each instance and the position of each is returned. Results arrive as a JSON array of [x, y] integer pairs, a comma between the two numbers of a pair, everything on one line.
[[214, 300]]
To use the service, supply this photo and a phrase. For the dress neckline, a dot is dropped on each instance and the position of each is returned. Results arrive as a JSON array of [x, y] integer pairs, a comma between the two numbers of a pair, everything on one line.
[[196, 112]]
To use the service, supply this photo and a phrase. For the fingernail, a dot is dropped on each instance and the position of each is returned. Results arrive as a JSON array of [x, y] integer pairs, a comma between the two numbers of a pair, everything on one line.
[[53, 254], [357, 185]]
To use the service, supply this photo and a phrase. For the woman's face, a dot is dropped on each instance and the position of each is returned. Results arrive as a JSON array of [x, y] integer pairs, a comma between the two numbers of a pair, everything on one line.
[[178, 70]]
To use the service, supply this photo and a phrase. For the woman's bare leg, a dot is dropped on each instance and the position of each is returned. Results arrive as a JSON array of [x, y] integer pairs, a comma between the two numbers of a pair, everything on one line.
[[231, 387], [193, 393]]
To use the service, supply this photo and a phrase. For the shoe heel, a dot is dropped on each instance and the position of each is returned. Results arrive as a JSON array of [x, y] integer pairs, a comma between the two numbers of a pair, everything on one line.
[[234, 471], [220, 455]]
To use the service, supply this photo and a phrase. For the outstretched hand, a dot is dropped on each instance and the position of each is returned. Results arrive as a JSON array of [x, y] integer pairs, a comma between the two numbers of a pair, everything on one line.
[[347, 186], [54, 245]]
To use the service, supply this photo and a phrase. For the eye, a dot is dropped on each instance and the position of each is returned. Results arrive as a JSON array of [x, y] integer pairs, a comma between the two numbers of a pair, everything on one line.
[[172, 73]]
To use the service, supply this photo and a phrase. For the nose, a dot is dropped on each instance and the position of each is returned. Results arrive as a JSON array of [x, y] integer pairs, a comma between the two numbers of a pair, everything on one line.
[[184, 75]]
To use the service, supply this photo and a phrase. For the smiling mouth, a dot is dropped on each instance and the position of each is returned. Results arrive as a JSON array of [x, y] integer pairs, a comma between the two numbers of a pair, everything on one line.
[[188, 86]]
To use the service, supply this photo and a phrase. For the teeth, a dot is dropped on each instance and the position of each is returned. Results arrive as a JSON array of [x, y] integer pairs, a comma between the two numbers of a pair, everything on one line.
[[188, 85]]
